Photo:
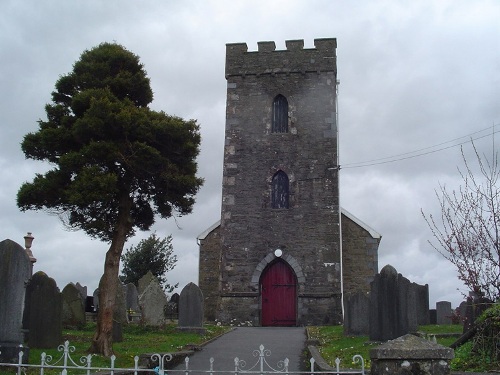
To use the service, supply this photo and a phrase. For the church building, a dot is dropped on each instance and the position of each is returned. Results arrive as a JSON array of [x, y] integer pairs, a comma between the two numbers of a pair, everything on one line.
[[284, 252]]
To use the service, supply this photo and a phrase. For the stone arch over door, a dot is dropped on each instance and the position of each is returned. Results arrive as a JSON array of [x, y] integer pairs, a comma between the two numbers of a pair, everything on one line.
[[295, 269]]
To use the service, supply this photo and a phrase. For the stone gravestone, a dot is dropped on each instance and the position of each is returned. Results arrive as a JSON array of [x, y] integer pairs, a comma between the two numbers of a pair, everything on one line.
[[172, 309], [144, 282], [43, 310], [83, 292], [15, 271], [152, 302], [432, 316], [392, 306], [132, 298], [421, 293], [356, 317], [73, 309], [120, 311], [474, 307], [133, 308], [95, 295], [443, 312], [191, 308]]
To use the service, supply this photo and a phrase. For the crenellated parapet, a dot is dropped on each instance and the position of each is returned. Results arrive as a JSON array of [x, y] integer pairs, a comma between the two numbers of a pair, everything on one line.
[[295, 59]]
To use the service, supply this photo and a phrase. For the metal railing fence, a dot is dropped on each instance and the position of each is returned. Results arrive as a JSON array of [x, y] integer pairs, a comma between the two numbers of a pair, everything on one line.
[[65, 365]]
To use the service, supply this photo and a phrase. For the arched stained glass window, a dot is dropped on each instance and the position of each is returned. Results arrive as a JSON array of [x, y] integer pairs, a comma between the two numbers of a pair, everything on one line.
[[280, 115], [280, 190]]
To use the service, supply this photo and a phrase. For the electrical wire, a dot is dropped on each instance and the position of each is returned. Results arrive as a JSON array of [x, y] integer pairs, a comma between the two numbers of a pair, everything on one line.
[[419, 152]]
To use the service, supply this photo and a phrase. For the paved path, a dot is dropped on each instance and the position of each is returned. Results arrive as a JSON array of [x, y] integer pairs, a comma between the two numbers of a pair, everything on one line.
[[283, 342]]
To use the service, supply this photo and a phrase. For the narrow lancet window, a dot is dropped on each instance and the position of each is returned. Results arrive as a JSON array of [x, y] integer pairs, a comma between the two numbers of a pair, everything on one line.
[[280, 115], [280, 190]]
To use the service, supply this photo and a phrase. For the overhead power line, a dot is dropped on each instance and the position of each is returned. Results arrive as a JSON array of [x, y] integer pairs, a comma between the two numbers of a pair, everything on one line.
[[423, 151]]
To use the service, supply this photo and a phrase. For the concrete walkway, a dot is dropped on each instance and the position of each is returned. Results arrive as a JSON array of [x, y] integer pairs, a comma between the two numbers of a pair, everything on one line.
[[282, 342]]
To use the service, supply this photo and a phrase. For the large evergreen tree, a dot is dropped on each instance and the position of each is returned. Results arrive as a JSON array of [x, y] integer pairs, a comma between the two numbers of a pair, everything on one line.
[[116, 163]]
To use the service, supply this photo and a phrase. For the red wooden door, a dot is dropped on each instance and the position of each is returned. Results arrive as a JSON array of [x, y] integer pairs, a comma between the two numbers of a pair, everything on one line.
[[279, 295]]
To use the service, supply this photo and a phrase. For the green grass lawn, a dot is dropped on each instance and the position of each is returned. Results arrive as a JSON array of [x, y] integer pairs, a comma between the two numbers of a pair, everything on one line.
[[136, 340]]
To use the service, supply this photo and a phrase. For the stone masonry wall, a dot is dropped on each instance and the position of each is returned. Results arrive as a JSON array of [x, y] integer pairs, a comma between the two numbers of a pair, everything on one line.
[[308, 231], [359, 255], [209, 270]]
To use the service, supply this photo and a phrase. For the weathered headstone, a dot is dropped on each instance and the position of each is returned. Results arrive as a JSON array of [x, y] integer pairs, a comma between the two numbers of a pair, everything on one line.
[[152, 302], [132, 298], [43, 311], [144, 282], [191, 308], [421, 293], [392, 306], [120, 310], [133, 308], [96, 299], [83, 291], [89, 304], [432, 316], [356, 317], [175, 298], [73, 310], [443, 312], [15, 271], [472, 309]]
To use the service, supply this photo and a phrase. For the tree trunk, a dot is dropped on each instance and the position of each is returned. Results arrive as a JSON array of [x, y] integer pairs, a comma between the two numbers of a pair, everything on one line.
[[102, 342]]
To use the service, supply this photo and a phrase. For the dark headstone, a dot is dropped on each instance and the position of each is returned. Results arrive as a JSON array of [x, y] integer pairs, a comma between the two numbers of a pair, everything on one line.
[[473, 308], [132, 298], [89, 304], [443, 312], [73, 310], [15, 271], [43, 311], [120, 309], [432, 316], [191, 307], [175, 298], [117, 333], [95, 296], [421, 293], [152, 302], [356, 317], [392, 306]]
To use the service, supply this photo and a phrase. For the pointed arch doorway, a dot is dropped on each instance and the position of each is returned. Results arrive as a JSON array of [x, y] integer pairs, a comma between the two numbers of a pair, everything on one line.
[[278, 286]]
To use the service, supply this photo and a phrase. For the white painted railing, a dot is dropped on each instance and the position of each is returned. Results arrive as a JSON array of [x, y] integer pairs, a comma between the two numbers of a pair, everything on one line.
[[66, 365]]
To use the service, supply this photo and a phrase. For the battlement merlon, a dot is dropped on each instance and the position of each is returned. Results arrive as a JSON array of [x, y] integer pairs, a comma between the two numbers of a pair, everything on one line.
[[295, 59]]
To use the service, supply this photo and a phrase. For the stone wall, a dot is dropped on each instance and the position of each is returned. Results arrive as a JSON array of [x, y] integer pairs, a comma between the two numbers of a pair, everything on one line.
[[359, 255], [209, 270]]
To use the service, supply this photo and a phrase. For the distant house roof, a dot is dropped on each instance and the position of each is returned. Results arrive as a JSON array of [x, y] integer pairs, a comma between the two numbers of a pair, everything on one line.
[[363, 225]]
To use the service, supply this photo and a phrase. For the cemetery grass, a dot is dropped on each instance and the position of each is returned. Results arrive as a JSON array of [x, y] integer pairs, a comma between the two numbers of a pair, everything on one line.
[[333, 344], [137, 340]]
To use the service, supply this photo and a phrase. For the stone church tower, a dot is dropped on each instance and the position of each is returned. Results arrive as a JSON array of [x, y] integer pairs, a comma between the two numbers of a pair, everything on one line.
[[275, 257]]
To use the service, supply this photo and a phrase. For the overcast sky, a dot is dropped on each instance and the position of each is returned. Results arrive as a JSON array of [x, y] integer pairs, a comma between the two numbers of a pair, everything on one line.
[[413, 74]]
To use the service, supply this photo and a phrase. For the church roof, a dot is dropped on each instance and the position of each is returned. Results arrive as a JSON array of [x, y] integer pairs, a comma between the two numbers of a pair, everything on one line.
[[207, 231], [344, 212], [363, 225]]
